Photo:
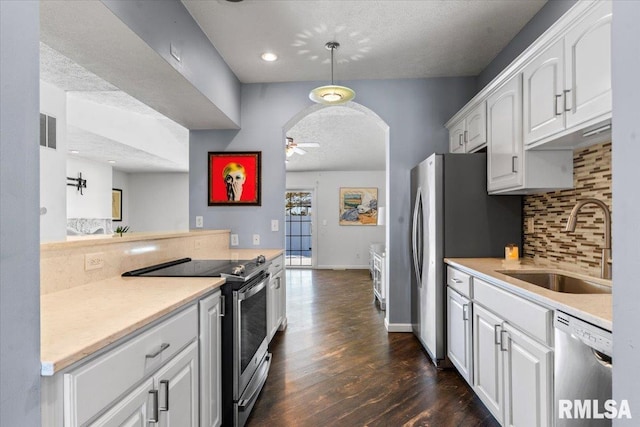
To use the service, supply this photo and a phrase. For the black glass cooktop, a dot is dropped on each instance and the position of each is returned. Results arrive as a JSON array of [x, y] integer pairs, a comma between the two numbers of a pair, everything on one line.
[[187, 267]]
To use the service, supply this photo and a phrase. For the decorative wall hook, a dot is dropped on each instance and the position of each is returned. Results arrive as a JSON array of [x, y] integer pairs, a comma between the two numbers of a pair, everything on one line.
[[78, 182]]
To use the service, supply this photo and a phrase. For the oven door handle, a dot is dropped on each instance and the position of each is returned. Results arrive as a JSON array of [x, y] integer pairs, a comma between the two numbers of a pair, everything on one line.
[[256, 383], [253, 290]]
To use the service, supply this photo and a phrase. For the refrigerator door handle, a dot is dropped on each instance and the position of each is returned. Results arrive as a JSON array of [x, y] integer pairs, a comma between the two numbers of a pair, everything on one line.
[[414, 236]]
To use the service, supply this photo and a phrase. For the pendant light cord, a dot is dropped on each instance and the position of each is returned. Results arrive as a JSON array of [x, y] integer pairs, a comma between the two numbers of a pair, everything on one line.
[[332, 49]]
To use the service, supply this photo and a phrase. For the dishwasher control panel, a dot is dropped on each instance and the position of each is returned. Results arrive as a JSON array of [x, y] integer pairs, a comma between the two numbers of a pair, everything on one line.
[[593, 336]]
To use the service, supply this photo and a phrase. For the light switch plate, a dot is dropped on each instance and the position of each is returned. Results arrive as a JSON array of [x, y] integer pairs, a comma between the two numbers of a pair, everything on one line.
[[234, 240], [275, 225], [199, 221], [256, 239]]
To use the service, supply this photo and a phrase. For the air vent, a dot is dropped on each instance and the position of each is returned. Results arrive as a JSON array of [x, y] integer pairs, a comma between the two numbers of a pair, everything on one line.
[[47, 131], [562, 320]]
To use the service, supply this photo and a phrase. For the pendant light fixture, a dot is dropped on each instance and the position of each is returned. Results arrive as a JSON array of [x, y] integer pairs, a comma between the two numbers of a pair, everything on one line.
[[332, 94]]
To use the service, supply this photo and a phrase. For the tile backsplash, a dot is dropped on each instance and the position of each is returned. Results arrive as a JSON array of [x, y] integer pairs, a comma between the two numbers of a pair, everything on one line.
[[548, 242]]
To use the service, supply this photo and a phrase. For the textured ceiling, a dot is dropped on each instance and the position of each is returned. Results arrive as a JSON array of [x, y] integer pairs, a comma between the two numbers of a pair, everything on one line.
[[379, 39]]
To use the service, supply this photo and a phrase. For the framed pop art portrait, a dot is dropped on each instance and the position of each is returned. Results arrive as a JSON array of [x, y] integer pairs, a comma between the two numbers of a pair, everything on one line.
[[234, 178]]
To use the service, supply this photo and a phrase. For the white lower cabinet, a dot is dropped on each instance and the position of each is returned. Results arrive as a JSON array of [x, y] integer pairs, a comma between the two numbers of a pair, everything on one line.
[[459, 332], [151, 378], [276, 298], [210, 361], [513, 374], [487, 360], [501, 344]]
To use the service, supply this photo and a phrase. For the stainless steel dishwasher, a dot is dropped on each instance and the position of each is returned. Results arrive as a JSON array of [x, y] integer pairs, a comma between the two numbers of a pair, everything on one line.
[[582, 371]]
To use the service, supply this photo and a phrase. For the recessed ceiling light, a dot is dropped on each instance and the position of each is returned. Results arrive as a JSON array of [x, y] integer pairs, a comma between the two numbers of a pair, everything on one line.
[[74, 152], [269, 56], [111, 161]]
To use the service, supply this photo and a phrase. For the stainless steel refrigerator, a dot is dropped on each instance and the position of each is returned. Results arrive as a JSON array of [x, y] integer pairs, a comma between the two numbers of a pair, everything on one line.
[[453, 217]]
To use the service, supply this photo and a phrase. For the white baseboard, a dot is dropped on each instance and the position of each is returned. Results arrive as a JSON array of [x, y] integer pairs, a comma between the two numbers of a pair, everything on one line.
[[342, 267], [397, 327]]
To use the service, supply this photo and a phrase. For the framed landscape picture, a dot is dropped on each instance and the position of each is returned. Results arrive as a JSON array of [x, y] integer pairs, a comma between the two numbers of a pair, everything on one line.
[[234, 178], [116, 204], [358, 206]]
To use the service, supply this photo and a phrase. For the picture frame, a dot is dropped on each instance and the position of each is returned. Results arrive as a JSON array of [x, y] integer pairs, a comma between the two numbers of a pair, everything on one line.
[[358, 206], [116, 204], [234, 178]]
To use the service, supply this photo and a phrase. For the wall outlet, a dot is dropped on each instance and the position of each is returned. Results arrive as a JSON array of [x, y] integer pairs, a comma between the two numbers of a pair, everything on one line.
[[234, 240], [256, 239], [530, 225], [93, 261], [199, 221], [275, 225]]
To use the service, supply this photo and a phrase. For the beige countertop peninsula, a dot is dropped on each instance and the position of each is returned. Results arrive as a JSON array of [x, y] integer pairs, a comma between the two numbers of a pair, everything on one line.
[[81, 320], [593, 308]]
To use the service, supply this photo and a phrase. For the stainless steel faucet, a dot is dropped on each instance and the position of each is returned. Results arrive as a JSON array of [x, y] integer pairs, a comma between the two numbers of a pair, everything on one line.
[[605, 267]]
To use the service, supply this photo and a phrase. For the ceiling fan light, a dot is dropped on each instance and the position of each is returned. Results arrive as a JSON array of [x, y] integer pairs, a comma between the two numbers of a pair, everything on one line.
[[332, 95]]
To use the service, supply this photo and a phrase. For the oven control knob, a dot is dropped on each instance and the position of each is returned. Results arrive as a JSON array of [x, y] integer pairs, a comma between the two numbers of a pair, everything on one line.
[[238, 270], [261, 259]]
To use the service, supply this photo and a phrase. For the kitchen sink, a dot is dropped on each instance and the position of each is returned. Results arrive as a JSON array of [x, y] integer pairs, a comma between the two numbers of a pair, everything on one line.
[[560, 282]]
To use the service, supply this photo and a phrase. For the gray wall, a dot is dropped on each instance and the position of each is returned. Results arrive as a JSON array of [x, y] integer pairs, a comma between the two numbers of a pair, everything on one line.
[[549, 14], [415, 111], [160, 23], [626, 205], [19, 221]]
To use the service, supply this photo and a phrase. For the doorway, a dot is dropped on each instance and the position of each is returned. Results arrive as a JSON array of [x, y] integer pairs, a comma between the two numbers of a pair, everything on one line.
[[298, 229]]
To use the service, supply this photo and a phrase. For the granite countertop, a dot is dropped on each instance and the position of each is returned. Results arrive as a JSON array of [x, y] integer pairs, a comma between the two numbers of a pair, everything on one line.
[[77, 322], [593, 308]]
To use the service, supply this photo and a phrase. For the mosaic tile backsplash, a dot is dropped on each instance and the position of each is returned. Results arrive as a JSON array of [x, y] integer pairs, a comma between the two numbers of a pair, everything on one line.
[[548, 242]]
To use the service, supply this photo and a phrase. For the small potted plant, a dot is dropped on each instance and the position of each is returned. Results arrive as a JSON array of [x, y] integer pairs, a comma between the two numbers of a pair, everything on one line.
[[120, 229]]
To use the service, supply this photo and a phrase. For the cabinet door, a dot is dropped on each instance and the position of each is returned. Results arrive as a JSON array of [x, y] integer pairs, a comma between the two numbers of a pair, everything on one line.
[[476, 128], [177, 385], [487, 360], [504, 133], [459, 332], [210, 361], [273, 307], [588, 67], [543, 85], [456, 135], [528, 381], [131, 411]]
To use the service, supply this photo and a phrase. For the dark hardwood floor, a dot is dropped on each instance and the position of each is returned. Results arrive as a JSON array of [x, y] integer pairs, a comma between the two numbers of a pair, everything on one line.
[[335, 365]]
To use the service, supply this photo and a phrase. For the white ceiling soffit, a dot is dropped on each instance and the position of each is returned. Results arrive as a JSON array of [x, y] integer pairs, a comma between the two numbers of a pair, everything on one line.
[[350, 140], [378, 39], [88, 33], [96, 94]]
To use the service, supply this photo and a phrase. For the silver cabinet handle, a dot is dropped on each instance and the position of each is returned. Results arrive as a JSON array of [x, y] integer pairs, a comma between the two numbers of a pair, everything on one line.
[[153, 418], [164, 384], [555, 107], [223, 309], [566, 93], [514, 169], [156, 353], [454, 280], [466, 135], [503, 341], [460, 140], [496, 334], [278, 282], [465, 312]]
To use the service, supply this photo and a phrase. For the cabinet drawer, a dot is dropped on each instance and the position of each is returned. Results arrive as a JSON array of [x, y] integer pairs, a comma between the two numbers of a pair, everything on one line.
[[276, 265], [459, 281], [91, 387], [531, 318]]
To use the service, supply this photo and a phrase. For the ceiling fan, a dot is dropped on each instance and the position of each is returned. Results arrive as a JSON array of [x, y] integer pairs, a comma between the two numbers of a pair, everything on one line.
[[296, 147]]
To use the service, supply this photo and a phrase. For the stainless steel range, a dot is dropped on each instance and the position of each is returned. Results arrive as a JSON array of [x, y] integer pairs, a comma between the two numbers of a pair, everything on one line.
[[245, 359]]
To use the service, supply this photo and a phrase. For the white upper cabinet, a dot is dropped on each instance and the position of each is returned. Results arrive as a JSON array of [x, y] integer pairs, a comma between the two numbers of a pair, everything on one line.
[[470, 132], [588, 67], [567, 87], [504, 130], [543, 108]]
